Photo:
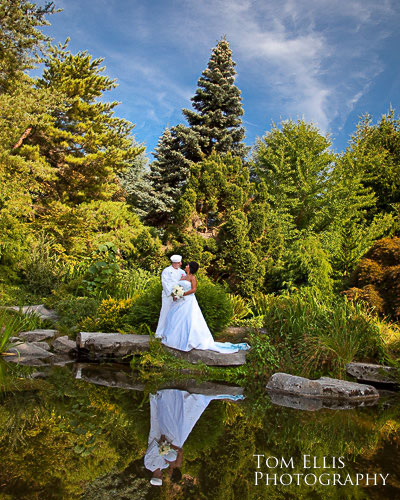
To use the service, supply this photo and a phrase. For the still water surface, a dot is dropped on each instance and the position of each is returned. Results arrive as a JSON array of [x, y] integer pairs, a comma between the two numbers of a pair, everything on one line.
[[96, 432]]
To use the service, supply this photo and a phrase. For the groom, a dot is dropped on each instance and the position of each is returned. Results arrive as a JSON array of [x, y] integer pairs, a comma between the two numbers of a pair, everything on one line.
[[169, 278]]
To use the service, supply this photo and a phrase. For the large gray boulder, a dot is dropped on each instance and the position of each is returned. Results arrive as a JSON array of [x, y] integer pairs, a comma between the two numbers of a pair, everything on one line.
[[112, 345], [42, 345], [325, 387], [210, 358], [369, 372], [37, 335], [64, 345], [29, 354]]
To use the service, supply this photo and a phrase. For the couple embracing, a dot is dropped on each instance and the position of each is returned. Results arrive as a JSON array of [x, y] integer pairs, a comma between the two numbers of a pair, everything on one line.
[[181, 324]]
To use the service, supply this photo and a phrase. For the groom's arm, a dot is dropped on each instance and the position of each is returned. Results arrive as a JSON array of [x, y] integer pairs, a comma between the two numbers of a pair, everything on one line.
[[166, 282]]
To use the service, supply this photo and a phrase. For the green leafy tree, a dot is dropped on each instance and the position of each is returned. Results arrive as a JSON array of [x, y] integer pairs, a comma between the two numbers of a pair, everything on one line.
[[375, 151], [294, 162], [317, 206]]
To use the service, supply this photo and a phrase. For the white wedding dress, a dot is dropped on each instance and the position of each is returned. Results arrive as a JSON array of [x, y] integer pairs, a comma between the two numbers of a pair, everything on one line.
[[186, 329], [174, 413]]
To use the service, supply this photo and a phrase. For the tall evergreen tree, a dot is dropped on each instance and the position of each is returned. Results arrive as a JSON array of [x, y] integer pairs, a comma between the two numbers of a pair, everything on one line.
[[214, 124], [168, 175], [375, 153], [87, 145], [20, 38], [216, 118]]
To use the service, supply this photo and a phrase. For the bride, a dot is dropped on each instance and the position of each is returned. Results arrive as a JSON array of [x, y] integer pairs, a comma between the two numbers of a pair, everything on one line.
[[185, 326]]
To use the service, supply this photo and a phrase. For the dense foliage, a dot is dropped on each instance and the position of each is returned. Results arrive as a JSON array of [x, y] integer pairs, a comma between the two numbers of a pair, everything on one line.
[[376, 279]]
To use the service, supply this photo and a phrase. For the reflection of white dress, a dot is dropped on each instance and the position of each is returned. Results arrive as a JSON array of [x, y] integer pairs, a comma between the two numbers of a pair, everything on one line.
[[174, 413], [186, 329]]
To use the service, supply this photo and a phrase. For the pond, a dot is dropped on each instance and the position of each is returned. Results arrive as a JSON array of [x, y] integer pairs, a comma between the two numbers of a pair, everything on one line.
[[98, 432]]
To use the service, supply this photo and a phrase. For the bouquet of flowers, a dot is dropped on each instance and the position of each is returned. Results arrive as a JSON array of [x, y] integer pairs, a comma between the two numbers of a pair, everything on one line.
[[164, 446], [177, 292]]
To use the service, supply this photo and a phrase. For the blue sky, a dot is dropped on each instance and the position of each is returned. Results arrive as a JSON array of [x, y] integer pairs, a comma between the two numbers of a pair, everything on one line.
[[329, 61]]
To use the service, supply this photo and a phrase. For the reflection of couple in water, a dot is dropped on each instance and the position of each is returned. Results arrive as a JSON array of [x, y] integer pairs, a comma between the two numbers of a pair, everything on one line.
[[173, 414]]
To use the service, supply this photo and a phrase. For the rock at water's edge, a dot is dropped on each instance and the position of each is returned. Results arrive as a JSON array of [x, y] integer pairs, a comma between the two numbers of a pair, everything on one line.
[[372, 373], [64, 345], [37, 335], [325, 387], [28, 350], [112, 345]]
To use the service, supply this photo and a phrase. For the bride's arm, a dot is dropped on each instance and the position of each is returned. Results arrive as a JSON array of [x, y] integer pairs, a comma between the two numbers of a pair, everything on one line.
[[194, 286]]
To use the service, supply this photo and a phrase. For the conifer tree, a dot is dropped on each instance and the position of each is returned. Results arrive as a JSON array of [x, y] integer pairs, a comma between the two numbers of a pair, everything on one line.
[[216, 118], [87, 145], [375, 153], [168, 175], [214, 124], [20, 38]]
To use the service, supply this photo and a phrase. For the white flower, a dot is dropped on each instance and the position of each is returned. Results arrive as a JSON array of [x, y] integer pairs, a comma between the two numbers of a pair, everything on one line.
[[177, 291], [164, 447]]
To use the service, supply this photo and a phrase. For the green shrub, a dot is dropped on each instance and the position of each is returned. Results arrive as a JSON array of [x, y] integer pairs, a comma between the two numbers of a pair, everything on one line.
[[110, 316], [215, 305], [241, 307], [41, 269], [73, 309], [146, 309], [319, 336], [100, 276], [263, 356], [131, 283]]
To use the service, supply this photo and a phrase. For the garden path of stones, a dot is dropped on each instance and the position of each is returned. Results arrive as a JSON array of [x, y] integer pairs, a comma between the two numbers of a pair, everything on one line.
[[43, 347]]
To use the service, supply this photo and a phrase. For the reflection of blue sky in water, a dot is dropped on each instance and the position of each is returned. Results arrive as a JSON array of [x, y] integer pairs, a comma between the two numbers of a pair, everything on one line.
[[173, 414]]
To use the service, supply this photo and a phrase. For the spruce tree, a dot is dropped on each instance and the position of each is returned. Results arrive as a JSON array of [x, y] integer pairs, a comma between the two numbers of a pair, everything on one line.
[[214, 124], [216, 118], [168, 175]]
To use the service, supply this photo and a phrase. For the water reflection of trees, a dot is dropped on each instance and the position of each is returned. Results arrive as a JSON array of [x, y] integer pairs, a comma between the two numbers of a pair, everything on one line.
[[69, 438]]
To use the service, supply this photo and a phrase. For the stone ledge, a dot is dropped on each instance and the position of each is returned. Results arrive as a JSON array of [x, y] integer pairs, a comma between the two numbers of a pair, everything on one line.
[[100, 345], [325, 387], [210, 358], [113, 345]]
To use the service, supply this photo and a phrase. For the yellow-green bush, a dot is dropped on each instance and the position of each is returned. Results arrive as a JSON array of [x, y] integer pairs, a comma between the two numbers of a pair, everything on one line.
[[110, 316]]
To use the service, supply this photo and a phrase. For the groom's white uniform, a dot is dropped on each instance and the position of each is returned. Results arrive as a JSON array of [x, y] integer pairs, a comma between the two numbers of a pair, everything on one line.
[[169, 278]]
